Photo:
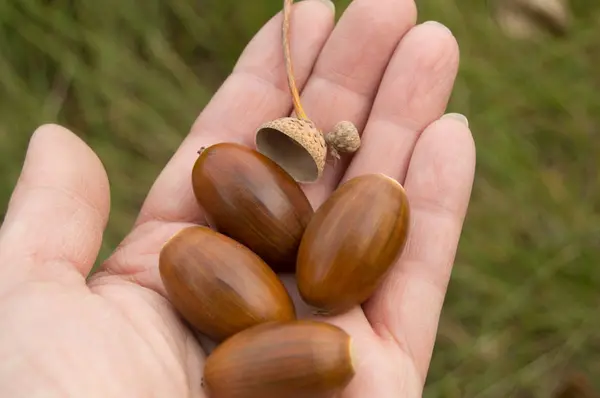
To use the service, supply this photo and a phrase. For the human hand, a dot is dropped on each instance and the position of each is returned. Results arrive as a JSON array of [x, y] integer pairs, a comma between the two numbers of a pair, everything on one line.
[[115, 335]]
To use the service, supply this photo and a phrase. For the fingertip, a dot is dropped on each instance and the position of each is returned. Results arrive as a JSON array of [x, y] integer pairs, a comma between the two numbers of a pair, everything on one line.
[[57, 156], [437, 25], [388, 15], [54, 137], [459, 117], [458, 126], [56, 149], [49, 129], [412, 10], [327, 3], [44, 136], [58, 138], [440, 38], [444, 161]]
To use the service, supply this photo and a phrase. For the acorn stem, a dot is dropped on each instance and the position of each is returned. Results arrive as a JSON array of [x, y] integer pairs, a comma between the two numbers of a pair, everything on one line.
[[287, 10]]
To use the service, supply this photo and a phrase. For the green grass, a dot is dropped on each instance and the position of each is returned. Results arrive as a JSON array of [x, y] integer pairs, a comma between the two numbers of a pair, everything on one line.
[[523, 301]]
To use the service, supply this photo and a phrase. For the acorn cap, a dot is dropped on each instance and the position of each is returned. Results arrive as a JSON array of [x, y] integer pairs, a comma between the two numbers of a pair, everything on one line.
[[296, 145]]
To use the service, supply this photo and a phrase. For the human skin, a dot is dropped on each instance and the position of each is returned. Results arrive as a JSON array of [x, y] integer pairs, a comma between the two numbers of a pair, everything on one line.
[[116, 335]]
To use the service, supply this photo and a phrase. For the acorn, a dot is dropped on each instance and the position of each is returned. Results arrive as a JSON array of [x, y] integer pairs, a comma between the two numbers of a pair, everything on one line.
[[220, 286], [296, 143], [351, 242], [249, 198], [297, 359]]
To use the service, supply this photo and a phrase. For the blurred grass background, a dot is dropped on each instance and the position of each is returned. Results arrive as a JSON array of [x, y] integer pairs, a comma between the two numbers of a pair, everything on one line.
[[130, 77]]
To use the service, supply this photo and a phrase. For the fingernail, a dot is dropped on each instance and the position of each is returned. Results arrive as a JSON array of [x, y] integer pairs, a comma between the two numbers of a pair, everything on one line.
[[436, 23], [458, 117], [329, 4]]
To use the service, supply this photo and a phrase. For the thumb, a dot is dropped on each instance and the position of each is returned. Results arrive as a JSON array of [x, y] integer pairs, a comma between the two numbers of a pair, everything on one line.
[[57, 213]]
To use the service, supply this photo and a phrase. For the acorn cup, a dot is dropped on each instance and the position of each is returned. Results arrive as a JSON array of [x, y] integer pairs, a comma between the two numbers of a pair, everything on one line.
[[218, 285], [351, 242], [248, 197], [300, 148], [296, 143], [297, 359]]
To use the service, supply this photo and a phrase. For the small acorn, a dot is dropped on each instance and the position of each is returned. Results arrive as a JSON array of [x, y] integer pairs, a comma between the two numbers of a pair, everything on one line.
[[297, 359], [218, 285], [249, 198], [343, 139], [296, 143], [351, 242]]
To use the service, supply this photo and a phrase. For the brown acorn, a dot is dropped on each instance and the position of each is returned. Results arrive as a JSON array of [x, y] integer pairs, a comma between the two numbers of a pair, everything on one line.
[[297, 359], [249, 198], [351, 242], [218, 285]]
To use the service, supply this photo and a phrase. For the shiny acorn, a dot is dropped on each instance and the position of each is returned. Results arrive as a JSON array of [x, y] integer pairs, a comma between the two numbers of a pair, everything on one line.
[[297, 359], [219, 286], [248, 197], [351, 242]]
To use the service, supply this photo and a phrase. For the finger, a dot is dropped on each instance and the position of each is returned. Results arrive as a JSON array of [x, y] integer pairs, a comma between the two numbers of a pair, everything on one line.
[[349, 69], [254, 93], [414, 92], [58, 211], [438, 185]]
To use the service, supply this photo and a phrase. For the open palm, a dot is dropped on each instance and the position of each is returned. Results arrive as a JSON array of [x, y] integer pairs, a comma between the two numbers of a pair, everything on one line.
[[115, 335]]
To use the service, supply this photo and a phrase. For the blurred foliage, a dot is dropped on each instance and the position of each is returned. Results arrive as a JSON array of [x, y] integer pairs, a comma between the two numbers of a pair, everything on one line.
[[130, 77]]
